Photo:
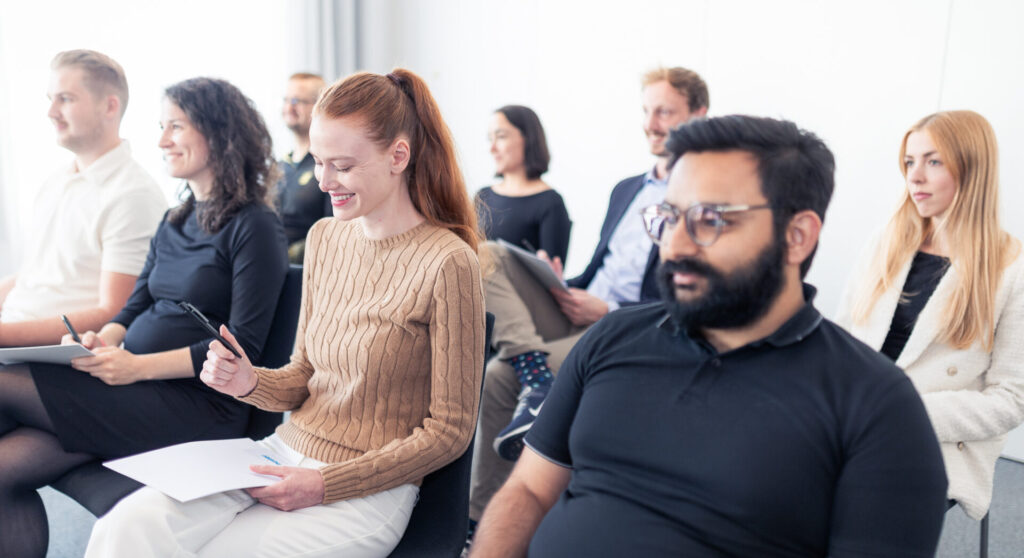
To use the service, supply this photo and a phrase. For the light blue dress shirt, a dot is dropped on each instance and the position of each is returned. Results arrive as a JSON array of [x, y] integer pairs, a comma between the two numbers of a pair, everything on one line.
[[620, 277]]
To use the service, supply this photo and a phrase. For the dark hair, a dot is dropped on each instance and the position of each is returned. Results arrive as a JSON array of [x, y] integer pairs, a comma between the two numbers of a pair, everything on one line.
[[796, 168], [400, 103], [241, 152], [535, 144]]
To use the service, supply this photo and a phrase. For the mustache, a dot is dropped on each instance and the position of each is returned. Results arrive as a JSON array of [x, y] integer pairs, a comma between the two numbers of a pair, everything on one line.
[[686, 265]]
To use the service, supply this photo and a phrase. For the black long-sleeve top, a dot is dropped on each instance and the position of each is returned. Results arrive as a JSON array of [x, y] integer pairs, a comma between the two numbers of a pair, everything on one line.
[[233, 276], [540, 219]]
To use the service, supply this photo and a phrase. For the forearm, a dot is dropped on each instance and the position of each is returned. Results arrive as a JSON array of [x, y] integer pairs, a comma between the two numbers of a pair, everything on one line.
[[48, 331], [508, 523], [166, 365]]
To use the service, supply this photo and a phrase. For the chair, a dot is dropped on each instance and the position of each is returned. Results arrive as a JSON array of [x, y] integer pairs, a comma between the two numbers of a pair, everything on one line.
[[438, 524], [983, 543], [97, 488]]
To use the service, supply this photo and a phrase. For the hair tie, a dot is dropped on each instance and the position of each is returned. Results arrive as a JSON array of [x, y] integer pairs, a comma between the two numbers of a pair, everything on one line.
[[401, 86]]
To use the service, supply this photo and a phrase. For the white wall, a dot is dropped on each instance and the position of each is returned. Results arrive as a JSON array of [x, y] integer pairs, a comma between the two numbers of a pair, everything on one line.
[[158, 44], [856, 73]]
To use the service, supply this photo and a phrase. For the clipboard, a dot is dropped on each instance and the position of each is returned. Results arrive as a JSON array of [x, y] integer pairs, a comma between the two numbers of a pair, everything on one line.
[[537, 267], [50, 354]]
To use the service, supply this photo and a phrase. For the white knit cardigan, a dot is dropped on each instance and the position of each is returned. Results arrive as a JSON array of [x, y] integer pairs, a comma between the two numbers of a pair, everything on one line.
[[973, 397]]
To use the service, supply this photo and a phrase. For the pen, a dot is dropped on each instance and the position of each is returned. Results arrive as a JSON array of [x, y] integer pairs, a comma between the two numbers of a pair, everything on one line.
[[271, 459], [71, 330], [528, 246]]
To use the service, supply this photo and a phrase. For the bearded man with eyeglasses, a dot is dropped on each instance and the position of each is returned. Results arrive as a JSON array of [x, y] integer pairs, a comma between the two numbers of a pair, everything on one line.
[[730, 419]]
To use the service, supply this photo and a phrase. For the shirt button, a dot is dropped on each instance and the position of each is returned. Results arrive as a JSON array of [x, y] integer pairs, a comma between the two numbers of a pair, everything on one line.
[[960, 446], [951, 371], [716, 362]]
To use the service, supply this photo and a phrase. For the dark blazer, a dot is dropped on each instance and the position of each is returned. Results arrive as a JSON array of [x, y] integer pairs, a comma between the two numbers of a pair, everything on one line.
[[622, 196]]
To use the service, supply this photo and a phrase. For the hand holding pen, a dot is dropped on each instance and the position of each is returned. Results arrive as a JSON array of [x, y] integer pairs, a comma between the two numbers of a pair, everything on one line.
[[90, 339]]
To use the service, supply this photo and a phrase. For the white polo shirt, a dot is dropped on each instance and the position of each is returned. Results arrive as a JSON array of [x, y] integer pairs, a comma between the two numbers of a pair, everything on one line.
[[98, 219]]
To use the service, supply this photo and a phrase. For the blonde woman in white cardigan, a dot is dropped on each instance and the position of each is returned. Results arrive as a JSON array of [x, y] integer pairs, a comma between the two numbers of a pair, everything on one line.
[[941, 292]]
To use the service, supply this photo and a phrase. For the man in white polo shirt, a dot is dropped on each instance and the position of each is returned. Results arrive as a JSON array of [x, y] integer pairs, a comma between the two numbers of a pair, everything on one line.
[[92, 219]]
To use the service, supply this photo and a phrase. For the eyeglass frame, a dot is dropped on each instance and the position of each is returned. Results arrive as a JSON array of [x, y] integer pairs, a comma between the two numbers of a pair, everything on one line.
[[292, 101], [676, 214]]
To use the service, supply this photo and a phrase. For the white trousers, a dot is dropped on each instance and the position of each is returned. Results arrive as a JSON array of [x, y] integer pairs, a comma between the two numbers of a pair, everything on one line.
[[150, 524]]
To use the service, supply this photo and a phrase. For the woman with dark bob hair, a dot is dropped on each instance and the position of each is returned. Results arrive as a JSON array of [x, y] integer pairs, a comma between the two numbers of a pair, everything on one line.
[[223, 250], [384, 381], [522, 209]]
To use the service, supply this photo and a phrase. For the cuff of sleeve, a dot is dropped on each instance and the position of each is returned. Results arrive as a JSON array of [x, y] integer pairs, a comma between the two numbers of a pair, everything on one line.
[[198, 352], [259, 396], [340, 483], [612, 305]]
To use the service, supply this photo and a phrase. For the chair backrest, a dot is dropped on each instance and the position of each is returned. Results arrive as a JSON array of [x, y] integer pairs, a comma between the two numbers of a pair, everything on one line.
[[278, 349], [440, 519]]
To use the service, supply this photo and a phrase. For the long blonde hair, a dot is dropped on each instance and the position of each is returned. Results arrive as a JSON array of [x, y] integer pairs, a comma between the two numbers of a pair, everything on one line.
[[979, 249]]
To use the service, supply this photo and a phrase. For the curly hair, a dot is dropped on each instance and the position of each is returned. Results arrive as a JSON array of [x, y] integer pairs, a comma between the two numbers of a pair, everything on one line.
[[240, 150]]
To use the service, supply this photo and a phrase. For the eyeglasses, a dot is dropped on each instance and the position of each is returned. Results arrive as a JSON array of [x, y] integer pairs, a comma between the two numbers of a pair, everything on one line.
[[704, 222], [297, 101]]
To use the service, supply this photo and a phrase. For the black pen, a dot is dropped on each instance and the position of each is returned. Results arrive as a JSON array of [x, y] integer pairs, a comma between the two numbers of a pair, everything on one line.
[[528, 246], [199, 317], [71, 330]]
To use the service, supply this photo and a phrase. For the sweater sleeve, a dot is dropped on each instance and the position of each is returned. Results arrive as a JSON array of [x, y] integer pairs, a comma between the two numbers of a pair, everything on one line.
[[456, 359], [286, 388], [966, 414]]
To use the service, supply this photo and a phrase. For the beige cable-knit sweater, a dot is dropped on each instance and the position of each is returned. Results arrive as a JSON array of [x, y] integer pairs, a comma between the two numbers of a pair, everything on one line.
[[385, 377]]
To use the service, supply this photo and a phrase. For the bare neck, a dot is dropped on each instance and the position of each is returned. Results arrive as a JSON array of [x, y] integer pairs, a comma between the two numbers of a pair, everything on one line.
[[301, 147], [788, 303], [661, 168], [88, 156]]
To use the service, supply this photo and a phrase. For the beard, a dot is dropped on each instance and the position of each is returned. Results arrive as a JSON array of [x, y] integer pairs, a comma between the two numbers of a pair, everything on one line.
[[729, 300]]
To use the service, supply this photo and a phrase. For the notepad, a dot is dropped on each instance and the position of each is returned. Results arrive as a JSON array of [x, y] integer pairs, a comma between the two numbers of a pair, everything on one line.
[[52, 354], [537, 267], [196, 469]]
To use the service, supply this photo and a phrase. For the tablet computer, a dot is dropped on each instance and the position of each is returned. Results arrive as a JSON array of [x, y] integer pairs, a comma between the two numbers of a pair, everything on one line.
[[537, 267]]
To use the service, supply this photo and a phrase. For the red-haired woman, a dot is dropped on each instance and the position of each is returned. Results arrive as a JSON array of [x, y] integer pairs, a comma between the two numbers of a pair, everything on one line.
[[384, 381]]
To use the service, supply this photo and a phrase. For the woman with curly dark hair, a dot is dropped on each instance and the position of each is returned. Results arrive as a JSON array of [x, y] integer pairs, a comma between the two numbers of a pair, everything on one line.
[[223, 250]]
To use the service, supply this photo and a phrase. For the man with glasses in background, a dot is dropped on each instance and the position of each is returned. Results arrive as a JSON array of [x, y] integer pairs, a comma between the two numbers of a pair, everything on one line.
[[300, 202], [730, 419], [535, 329]]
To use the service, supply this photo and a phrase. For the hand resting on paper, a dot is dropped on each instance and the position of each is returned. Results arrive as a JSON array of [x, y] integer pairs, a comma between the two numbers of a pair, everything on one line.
[[113, 365], [299, 487], [225, 372]]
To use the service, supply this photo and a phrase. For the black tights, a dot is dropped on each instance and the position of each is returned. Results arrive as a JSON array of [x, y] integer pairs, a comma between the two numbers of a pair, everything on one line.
[[30, 457]]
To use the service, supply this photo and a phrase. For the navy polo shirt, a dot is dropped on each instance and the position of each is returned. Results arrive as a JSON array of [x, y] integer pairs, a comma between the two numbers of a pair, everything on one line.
[[300, 202], [804, 443]]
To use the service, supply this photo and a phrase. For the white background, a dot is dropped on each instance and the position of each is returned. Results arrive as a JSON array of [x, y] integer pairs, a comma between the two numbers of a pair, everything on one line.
[[856, 73]]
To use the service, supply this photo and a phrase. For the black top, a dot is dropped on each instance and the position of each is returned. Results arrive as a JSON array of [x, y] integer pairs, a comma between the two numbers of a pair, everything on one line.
[[233, 276], [805, 443], [925, 273], [540, 219], [299, 198]]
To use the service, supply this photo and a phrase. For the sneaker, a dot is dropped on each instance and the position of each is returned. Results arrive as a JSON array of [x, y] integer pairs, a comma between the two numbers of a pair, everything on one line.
[[509, 443]]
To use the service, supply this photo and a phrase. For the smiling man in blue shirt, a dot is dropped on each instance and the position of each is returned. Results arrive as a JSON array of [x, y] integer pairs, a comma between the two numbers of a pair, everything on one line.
[[731, 419], [535, 329]]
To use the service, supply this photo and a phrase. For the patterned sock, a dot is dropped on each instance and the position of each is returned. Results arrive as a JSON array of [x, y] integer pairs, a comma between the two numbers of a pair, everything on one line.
[[532, 369]]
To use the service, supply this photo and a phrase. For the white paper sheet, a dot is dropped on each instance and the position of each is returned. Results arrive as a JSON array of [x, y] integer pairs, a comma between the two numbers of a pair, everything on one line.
[[195, 469], [53, 354]]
